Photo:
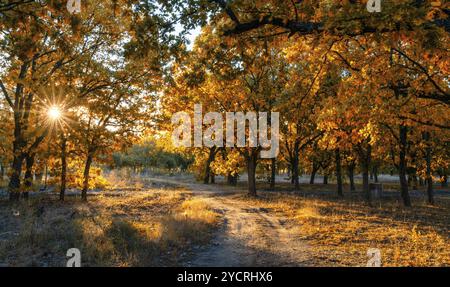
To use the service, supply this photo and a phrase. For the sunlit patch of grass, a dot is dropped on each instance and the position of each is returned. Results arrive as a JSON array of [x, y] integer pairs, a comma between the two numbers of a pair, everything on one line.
[[146, 228], [197, 209], [340, 231], [192, 224]]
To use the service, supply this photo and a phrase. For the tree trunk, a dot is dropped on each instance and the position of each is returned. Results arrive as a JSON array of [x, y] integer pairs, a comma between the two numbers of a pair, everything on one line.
[[273, 167], [2, 172], [62, 191], [19, 142], [295, 163], [421, 182], [315, 168], [28, 180], [232, 179], [403, 166], [366, 159], [251, 170], [211, 157], [375, 172], [325, 179], [366, 190], [46, 175], [87, 169], [339, 173], [415, 182], [429, 177], [14, 181], [351, 176]]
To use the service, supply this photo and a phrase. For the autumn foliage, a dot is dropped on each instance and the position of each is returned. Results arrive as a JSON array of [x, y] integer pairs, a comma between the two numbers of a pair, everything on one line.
[[358, 92]]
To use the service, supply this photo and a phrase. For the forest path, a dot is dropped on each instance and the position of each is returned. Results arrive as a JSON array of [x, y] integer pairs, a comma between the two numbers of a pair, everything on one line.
[[249, 237]]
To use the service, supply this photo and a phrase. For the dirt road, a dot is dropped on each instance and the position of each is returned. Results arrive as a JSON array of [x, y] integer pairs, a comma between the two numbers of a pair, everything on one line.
[[249, 237]]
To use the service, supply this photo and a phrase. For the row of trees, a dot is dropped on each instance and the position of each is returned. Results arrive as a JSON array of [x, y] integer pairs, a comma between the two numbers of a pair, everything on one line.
[[152, 154], [355, 90], [364, 93], [78, 86]]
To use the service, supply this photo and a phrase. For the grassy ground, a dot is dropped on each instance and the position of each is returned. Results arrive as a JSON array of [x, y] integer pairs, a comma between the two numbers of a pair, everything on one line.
[[153, 227], [142, 223], [341, 231]]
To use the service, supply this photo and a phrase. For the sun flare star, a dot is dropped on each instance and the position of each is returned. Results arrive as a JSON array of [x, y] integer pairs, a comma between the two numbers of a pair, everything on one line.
[[54, 113]]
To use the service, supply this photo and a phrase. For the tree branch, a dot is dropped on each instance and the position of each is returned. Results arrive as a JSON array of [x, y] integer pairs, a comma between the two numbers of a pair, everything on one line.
[[226, 7], [5, 93], [425, 71], [305, 28]]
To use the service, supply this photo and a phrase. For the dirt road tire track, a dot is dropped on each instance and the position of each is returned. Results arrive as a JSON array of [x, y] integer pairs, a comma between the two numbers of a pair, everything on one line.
[[249, 236]]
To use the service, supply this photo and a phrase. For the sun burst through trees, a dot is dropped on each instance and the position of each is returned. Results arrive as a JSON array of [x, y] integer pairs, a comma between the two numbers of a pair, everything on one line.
[[54, 113]]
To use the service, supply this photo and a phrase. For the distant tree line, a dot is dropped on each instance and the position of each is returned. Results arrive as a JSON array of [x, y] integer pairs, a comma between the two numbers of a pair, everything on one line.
[[148, 156]]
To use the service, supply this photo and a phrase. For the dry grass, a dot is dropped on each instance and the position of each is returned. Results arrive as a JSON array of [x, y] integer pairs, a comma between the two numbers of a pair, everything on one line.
[[148, 228], [341, 231], [124, 179]]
